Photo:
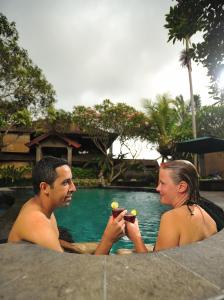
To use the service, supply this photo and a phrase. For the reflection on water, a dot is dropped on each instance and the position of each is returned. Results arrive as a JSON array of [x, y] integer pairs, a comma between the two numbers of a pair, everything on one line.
[[87, 215]]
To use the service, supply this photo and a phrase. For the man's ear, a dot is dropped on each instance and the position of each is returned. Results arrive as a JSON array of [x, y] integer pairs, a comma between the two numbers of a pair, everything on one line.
[[44, 187], [183, 186]]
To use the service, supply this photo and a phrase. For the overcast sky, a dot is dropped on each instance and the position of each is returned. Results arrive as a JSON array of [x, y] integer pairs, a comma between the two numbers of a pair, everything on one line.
[[91, 50]]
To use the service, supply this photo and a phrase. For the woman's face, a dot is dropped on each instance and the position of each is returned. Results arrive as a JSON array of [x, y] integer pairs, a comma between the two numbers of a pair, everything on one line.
[[167, 188]]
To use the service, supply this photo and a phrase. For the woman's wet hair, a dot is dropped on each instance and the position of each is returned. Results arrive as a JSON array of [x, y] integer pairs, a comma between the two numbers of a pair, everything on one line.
[[45, 171], [183, 170]]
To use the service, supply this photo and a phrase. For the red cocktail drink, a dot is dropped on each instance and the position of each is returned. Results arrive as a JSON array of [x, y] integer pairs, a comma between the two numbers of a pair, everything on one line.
[[117, 211], [129, 217]]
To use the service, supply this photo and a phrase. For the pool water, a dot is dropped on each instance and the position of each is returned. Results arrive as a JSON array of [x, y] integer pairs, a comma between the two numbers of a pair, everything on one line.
[[87, 215]]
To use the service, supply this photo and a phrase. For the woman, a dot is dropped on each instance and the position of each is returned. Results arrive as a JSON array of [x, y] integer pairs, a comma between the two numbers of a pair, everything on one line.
[[192, 218]]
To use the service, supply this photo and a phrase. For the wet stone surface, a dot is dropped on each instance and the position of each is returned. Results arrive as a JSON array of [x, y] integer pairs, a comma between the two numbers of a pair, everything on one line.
[[195, 271]]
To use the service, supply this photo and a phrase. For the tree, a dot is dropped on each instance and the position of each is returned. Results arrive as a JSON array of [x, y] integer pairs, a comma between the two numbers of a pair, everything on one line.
[[206, 16], [170, 122], [211, 121], [58, 120], [22, 84], [182, 129], [105, 122], [210, 52], [181, 29]]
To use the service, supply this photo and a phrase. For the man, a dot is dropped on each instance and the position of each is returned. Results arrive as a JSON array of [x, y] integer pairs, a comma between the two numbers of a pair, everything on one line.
[[53, 187]]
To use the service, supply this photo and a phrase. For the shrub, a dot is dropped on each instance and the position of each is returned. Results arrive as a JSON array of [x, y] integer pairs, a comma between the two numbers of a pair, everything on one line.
[[83, 173], [87, 182], [11, 174]]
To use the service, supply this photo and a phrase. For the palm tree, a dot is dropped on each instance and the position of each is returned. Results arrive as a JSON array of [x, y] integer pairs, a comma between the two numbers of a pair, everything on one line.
[[170, 123], [185, 59], [181, 108], [178, 22], [162, 116]]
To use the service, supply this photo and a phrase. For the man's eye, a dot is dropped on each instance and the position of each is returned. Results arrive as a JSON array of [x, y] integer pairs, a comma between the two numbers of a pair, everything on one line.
[[66, 182]]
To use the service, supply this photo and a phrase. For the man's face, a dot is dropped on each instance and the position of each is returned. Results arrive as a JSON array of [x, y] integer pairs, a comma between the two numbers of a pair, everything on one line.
[[63, 187], [166, 187]]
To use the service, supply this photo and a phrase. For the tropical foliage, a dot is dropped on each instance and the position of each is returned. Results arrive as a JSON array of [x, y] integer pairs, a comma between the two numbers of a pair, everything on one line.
[[11, 174], [23, 87], [83, 173], [106, 122], [211, 121], [180, 29], [57, 119], [186, 18], [170, 121]]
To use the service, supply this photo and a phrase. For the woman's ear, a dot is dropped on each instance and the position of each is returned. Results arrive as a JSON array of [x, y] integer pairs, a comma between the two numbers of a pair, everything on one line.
[[183, 186], [44, 187]]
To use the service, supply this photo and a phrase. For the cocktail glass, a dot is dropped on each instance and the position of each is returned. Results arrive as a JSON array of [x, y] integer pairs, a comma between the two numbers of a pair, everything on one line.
[[117, 211], [129, 217]]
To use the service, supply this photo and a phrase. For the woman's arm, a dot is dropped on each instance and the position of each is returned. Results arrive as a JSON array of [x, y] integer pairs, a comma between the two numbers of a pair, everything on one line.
[[134, 234]]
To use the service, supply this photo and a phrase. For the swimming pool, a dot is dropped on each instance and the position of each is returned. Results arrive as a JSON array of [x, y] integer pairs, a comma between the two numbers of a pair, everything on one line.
[[87, 215]]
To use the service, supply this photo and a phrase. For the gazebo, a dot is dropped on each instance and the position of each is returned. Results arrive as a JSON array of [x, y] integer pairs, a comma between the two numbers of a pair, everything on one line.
[[53, 141], [201, 146]]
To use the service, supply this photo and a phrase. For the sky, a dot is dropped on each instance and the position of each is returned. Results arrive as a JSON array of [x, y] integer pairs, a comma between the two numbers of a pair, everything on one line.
[[91, 50]]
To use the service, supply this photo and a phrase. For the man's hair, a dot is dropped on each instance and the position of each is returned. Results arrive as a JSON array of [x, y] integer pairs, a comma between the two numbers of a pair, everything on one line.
[[45, 171], [183, 170]]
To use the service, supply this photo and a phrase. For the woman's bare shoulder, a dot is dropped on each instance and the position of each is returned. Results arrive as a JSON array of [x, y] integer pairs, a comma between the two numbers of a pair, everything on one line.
[[175, 212]]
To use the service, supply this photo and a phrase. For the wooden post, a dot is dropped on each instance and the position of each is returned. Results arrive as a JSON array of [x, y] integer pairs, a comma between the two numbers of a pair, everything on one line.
[[69, 156], [38, 153]]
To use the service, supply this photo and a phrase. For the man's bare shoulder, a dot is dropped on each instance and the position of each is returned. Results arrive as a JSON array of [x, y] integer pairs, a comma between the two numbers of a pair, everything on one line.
[[30, 218], [32, 215], [34, 226]]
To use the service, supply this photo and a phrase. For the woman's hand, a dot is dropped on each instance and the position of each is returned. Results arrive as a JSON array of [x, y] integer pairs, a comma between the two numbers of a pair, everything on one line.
[[132, 230], [114, 230], [134, 234]]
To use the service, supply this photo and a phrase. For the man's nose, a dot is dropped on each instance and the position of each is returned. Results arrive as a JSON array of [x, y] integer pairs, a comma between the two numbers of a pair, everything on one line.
[[72, 187], [158, 188]]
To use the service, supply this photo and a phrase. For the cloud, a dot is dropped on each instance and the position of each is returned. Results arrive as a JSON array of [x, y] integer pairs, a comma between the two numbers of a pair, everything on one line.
[[96, 49]]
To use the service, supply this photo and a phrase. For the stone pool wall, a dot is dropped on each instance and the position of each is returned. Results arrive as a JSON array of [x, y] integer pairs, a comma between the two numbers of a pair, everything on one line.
[[194, 271]]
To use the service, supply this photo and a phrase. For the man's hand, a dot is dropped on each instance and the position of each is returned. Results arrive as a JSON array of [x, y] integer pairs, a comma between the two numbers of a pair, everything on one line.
[[114, 230]]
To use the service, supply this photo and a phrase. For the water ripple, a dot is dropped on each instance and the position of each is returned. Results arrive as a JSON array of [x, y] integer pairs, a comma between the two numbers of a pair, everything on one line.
[[88, 213]]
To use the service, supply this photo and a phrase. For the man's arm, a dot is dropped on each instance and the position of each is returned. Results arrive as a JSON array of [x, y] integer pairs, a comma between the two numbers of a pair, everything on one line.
[[169, 233], [80, 248], [36, 228], [115, 229]]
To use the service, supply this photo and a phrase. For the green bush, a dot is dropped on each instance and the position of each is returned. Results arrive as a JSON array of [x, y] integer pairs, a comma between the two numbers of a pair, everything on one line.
[[87, 182], [11, 174], [83, 173]]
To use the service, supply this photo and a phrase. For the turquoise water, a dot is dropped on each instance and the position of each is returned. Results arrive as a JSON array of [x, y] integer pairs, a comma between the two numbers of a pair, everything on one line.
[[87, 215]]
